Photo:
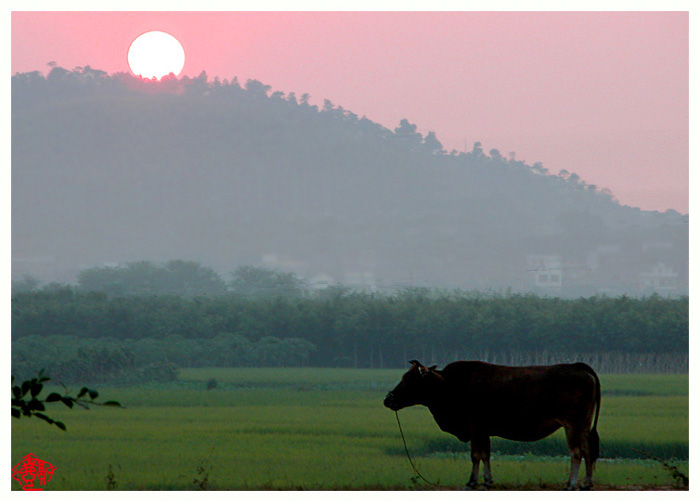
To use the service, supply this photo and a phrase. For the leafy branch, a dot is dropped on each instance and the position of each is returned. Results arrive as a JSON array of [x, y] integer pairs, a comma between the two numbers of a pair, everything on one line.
[[26, 401]]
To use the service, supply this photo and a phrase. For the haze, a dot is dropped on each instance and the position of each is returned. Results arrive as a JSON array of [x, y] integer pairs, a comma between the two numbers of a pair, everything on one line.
[[602, 94]]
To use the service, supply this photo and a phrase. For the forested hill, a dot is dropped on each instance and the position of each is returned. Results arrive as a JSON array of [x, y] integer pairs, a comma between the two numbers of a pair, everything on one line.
[[111, 169]]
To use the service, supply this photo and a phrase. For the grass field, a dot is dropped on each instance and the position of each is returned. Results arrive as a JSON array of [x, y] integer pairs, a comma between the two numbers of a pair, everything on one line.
[[326, 429]]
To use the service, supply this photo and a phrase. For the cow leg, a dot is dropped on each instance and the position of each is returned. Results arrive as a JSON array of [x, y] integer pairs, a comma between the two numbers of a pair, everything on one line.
[[588, 481], [573, 476], [481, 451], [473, 479], [574, 439], [488, 479], [590, 465]]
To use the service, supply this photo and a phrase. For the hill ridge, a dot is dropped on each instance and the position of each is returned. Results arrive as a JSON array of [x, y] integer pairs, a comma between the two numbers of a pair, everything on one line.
[[113, 169]]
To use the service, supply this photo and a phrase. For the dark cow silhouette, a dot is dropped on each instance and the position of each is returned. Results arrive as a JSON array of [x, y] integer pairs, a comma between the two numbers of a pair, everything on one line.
[[474, 401]]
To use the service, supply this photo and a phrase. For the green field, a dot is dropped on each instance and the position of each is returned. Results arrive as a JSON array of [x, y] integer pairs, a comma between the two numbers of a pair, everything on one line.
[[326, 429]]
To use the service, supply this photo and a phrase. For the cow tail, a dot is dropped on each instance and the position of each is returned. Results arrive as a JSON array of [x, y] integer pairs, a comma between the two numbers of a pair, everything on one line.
[[593, 438]]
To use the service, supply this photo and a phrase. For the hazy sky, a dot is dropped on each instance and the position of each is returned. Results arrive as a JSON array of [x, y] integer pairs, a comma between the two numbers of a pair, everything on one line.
[[602, 94]]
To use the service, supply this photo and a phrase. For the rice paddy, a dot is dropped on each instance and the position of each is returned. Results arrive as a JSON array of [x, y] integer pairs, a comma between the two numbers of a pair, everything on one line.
[[326, 429]]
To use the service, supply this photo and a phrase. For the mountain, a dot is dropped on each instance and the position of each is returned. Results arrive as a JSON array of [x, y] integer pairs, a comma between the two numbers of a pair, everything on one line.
[[112, 169]]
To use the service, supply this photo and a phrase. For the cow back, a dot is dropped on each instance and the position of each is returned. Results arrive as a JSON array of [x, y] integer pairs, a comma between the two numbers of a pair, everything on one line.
[[523, 403]]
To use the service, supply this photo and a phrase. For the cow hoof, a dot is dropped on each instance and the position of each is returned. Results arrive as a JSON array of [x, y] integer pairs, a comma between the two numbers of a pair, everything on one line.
[[469, 486], [570, 488]]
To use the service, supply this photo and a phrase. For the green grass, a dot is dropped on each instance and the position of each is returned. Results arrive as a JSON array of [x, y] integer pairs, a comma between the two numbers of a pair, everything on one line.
[[644, 385], [326, 429]]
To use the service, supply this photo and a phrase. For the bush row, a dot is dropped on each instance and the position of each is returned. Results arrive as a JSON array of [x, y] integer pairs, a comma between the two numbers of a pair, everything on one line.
[[72, 359], [363, 329]]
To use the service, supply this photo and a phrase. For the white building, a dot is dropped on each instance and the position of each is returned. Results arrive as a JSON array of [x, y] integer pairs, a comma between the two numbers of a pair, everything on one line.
[[661, 277], [546, 270]]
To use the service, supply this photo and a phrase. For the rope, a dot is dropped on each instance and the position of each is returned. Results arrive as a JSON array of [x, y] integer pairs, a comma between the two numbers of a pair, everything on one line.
[[405, 447]]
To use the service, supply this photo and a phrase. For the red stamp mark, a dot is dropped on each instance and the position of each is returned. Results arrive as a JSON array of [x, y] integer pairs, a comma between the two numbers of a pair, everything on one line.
[[31, 470]]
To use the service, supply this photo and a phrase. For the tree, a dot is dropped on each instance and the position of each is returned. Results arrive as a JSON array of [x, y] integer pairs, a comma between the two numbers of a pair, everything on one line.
[[432, 144], [495, 154], [255, 281], [607, 194], [132, 278], [256, 88], [539, 168], [27, 284], [405, 128], [189, 278], [197, 86], [57, 73], [229, 350], [575, 181], [408, 134], [27, 403], [176, 277]]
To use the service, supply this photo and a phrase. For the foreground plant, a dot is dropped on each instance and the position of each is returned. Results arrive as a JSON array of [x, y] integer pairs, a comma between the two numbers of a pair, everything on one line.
[[26, 401]]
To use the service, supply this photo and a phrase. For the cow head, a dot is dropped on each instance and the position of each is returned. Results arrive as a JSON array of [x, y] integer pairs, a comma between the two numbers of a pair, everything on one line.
[[417, 386]]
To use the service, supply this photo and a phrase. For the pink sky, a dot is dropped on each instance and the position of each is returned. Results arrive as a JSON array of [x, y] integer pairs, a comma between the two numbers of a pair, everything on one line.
[[602, 94]]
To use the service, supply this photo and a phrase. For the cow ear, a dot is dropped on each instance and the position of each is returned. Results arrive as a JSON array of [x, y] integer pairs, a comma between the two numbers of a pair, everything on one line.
[[413, 362], [432, 368]]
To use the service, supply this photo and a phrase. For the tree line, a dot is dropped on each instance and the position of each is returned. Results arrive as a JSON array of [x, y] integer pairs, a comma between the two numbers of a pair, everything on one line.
[[174, 277], [335, 327]]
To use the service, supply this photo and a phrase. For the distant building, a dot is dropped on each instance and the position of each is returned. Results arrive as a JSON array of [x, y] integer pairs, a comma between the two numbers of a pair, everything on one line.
[[661, 277], [546, 270]]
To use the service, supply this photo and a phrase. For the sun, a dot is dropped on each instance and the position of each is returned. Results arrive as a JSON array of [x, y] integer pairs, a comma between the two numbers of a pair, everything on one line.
[[155, 54]]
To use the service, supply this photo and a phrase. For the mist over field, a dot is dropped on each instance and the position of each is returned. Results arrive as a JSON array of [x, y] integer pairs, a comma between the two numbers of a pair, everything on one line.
[[108, 170]]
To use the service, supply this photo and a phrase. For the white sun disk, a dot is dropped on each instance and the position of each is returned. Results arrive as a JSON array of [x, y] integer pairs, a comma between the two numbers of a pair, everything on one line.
[[155, 54]]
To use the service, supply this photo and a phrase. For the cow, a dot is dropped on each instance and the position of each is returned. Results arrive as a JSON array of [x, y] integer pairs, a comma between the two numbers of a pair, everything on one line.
[[475, 400]]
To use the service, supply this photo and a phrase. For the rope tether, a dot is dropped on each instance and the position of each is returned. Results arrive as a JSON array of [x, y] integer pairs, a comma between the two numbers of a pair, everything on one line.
[[409, 456]]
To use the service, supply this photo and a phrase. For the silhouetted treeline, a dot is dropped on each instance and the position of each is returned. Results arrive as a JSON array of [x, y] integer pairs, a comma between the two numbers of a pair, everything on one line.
[[113, 169], [175, 277], [337, 327]]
